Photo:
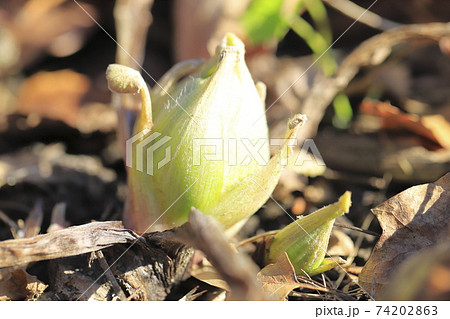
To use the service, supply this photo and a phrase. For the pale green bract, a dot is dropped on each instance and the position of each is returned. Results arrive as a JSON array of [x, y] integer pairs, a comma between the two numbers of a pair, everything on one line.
[[217, 105], [306, 239]]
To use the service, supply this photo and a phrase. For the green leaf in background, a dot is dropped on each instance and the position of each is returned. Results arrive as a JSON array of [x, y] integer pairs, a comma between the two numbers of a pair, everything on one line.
[[316, 42], [343, 111], [318, 13], [263, 21]]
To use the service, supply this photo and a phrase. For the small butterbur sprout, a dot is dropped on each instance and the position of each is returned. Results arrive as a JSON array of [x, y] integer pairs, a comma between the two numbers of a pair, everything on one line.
[[206, 145], [122, 79], [306, 239]]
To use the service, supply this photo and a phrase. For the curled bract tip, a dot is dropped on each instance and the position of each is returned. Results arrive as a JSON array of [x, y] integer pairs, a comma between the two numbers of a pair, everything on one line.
[[299, 119], [123, 79]]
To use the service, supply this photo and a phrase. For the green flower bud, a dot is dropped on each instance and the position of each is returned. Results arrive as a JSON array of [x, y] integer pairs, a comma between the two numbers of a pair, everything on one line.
[[306, 239], [209, 121]]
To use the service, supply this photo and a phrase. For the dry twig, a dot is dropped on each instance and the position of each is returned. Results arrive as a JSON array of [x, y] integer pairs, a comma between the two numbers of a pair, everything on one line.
[[371, 52], [237, 269], [356, 12], [71, 241]]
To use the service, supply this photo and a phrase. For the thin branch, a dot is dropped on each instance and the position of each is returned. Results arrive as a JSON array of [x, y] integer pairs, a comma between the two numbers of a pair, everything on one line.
[[352, 10], [109, 275], [371, 52], [365, 231], [71, 241]]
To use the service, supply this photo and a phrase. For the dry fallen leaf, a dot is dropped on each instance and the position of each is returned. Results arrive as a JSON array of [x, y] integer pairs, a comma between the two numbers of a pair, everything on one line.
[[433, 127], [54, 95], [205, 272], [340, 244], [423, 276], [56, 26], [278, 279], [33, 223], [21, 285], [416, 218]]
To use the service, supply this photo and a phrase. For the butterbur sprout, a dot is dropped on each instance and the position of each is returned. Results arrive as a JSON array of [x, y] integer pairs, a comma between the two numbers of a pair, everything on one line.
[[306, 239], [209, 121]]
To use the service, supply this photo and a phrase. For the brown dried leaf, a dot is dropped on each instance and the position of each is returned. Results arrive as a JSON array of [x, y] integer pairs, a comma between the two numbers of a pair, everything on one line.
[[439, 127], [412, 220], [423, 276], [340, 244], [369, 53], [58, 220], [54, 95], [21, 285], [205, 272], [278, 279], [33, 222], [57, 26], [433, 127]]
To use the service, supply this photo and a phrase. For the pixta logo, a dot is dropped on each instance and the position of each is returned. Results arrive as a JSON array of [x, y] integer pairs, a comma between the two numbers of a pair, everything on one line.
[[145, 150], [142, 147], [242, 151]]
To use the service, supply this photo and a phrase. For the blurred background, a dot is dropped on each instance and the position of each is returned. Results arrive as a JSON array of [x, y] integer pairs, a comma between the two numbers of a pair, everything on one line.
[[60, 139]]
